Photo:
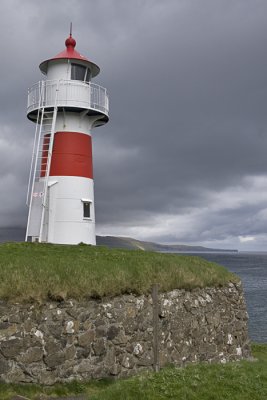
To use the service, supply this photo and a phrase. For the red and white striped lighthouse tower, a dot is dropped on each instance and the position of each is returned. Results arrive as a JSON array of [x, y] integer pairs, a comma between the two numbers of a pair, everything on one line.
[[65, 107]]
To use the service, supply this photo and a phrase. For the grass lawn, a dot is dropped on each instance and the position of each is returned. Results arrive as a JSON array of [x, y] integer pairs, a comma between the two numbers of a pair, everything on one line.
[[233, 381], [31, 271]]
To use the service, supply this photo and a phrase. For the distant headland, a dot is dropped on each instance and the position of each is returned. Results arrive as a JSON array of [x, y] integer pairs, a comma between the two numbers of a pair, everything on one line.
[[131, 244], [17, 234]]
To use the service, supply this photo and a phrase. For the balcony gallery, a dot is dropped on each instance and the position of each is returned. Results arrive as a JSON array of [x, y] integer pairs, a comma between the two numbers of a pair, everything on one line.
[[67, 94]]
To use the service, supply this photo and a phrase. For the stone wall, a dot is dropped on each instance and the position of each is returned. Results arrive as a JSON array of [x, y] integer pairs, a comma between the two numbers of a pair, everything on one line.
[[59, 341]]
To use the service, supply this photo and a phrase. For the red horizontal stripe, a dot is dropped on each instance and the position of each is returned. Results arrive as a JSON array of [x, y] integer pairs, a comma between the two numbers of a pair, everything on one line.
[[72, 155]]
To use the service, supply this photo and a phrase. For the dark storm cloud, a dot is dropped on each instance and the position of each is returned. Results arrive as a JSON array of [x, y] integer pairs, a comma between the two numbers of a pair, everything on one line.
[[188, 94]]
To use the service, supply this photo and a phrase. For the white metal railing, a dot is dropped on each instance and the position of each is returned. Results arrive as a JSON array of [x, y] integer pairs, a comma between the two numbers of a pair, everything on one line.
[[70, 93]]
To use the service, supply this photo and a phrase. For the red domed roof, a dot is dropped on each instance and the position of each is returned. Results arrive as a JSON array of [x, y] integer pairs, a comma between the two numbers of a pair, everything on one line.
[[71, 54]]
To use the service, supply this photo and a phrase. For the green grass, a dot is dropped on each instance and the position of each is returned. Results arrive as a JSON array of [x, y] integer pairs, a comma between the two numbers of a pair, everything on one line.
[[30, 271], [7, 391], [234, 381], [244, 380]]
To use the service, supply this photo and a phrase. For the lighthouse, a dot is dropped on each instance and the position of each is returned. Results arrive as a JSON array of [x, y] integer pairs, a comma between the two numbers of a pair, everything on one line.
[[65, 107]]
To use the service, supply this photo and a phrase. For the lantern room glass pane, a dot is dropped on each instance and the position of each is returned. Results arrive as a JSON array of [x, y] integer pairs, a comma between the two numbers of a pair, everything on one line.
[[80, 73]]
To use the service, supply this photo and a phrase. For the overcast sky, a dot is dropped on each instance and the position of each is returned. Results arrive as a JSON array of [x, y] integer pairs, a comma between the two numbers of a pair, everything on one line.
[[183, 158]]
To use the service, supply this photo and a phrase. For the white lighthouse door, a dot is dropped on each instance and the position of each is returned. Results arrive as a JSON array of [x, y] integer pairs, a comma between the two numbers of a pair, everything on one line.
[[49, 217], [34, 220], [46, 217]]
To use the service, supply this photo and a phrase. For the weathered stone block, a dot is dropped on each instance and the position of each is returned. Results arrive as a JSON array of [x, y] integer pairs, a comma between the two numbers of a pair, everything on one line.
[[11, 348], [7, 329], [113, 331], [114, 370], [101, 330], [120, 339], [16, 375], [53, 360], [86, 338], [70, 352], [84, 366], [52, 346], [145, 360], [127, 361], [31, 355], [110, 358], [47, 377], [99, 347], [51, 329], [4, 367], [82, 352]]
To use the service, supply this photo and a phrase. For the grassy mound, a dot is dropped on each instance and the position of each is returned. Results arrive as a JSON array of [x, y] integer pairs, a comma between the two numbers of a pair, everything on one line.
[[30, 271]]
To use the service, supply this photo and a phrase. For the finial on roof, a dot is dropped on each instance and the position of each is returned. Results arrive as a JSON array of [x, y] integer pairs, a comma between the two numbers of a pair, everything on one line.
[[70, 42]]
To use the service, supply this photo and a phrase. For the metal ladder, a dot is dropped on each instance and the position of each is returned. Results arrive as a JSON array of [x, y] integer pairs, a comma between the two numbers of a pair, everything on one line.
[[37, 195]]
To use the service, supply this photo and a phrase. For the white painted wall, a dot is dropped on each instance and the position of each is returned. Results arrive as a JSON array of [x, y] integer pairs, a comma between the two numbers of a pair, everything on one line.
[[66, 224], [74, 122], [59, 69]]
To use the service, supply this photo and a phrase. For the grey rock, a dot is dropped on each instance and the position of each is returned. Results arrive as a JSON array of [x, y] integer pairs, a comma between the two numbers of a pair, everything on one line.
[[53, 360], [99, 347], [11, 348], [70, 340], [113, 331], [127, 361], [86, 338], [4, 367], [52, 346], [69, 352], [33, 354]]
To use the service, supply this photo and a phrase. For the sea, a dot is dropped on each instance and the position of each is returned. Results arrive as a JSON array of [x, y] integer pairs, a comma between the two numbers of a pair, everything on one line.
[[252, 269]]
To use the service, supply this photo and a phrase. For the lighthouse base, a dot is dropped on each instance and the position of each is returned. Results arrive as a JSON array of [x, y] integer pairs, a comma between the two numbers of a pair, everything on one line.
[[70, 216]]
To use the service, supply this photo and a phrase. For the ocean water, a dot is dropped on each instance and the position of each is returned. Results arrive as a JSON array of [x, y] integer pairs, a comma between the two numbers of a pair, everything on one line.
[[252, 269]]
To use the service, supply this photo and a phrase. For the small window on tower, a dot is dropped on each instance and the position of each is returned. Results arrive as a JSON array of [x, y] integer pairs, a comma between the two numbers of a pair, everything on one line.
[[86, 209], [80, 73]]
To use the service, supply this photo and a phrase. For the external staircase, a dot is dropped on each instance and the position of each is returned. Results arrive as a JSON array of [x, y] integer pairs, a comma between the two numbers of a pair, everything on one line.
[[37, 194]]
